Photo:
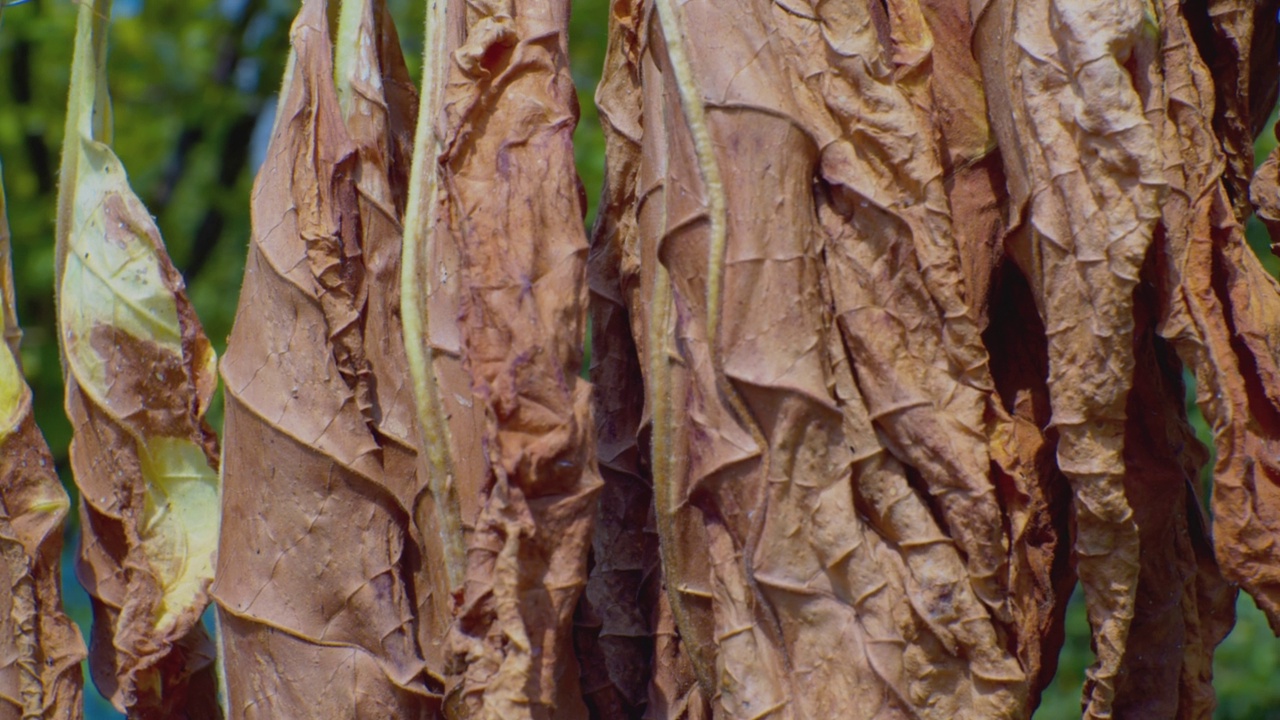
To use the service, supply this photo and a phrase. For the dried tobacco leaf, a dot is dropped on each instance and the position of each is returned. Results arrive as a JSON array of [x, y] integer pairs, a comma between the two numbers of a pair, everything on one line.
[[1033, 493], [513, 206], [40, 648], [812, 608], [674, 692], [1037, 497], [925, 377], [1141, 100], [685, 623], [1221, 309], [615, 636], [973, 175], [1240, 42], [380, 105], [1183, 607], [1264, 193], [139, 377], [317, 617], [1168, 665], [843, 459], [1086, 185]]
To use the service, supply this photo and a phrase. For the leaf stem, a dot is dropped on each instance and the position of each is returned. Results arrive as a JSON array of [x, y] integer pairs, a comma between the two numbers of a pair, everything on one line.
[[696, 117], [415, 279], [347, 50]]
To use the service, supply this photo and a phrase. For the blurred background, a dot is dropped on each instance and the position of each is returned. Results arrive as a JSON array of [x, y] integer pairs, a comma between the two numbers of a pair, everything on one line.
[[194, 84]]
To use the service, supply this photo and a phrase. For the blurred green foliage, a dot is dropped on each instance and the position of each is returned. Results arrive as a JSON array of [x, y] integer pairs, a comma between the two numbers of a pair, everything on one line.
[[193, 85]]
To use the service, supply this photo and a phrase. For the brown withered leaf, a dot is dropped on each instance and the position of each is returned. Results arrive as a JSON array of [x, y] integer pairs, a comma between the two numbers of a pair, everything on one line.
[[450, 422], [674, 691], [686, 576], [1138, 103], [513, 206], [1168, 664], [1086, 185], [1183, 607], [139, 376], [831, 588], [1221, 309], [820, 217], [316, 613], [973, 173], [40, 648], [1034, 495], [615, 638], [380, 105], [914, 343], [1240, 42], [1264, 193]]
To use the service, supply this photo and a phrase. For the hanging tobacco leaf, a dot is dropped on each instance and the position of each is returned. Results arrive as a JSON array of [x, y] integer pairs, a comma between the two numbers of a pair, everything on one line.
[[313, 578], [380, 105], [495, 309], [40, 648], [1264, 193], [616, 622], [839, 213], [1222, 311], [1240, 44], [515, 206], [1089, 183], [1033, 492], [771, 439], [890, 307], [139, 376], [1158, 660]]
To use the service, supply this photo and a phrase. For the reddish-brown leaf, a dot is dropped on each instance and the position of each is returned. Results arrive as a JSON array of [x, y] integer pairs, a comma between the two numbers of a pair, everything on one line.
[[616, 638], [1086, 184], [1221, 309], [1240, 43], [512, 208], [825, 563], [313, 571], [40, 648]]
